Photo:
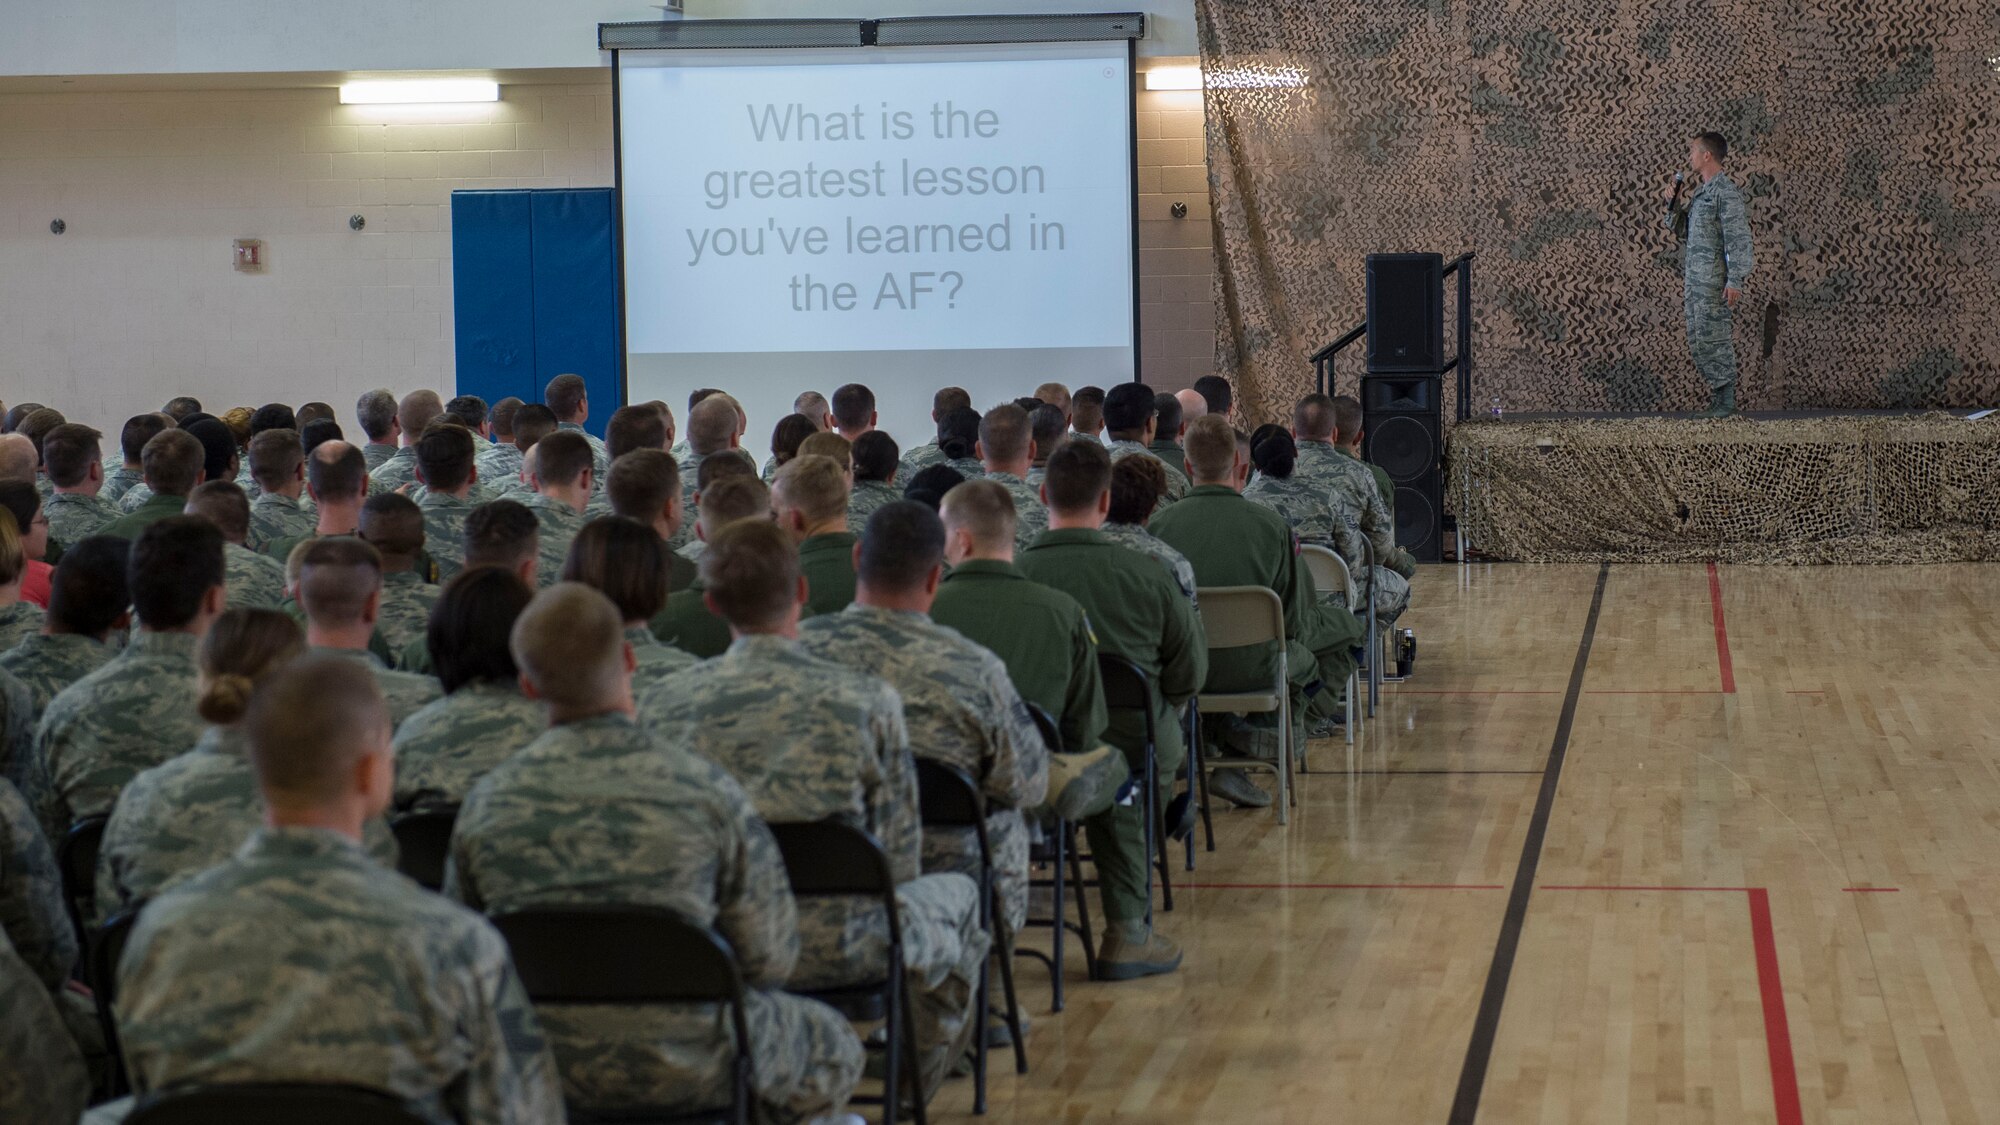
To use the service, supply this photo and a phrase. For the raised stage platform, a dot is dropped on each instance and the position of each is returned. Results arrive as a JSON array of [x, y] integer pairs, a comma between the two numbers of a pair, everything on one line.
[[1789, 488]]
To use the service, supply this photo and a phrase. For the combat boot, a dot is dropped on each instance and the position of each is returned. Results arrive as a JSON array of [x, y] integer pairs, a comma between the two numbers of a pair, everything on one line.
[[1132, 950], [1722, 403], [1081, 785]]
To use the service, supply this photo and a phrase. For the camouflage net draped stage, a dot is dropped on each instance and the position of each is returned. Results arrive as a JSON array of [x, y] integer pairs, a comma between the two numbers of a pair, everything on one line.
[[1865, 135], [1900, 489]]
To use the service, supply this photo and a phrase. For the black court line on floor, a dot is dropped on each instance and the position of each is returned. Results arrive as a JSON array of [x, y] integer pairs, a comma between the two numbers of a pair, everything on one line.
[[1486, 1025]]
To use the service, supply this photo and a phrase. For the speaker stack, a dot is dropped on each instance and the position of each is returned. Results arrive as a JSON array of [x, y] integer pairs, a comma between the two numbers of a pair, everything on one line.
[[1402, 393]]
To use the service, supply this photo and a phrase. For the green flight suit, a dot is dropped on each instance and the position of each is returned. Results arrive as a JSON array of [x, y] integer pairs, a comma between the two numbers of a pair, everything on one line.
[[1043, 637], [687, 624], [156, 508], [827, 561], [681, 572], [1140, 614]]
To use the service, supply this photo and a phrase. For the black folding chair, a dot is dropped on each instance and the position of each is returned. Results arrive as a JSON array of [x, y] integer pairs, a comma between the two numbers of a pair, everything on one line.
[[618, 956], [828, 859], [76, 858], [1058, 849], [948, 798], [1126, 688], [1198, 791], [423, 842], [263, 1103], [105, 946]]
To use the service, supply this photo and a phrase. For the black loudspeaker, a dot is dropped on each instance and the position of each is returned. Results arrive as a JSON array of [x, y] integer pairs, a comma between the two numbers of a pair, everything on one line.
[[1405, 313], [1403, 432]]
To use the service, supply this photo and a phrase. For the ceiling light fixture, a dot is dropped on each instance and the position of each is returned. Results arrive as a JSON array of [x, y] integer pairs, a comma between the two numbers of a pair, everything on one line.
[[419, 91]]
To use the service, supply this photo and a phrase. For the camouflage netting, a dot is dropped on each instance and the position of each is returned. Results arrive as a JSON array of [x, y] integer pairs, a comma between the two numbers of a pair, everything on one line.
[[1865, 135], [1906, 489]]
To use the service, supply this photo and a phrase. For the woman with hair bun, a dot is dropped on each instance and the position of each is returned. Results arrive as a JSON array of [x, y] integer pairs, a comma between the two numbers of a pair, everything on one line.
[[191, 812], [1307, 509]]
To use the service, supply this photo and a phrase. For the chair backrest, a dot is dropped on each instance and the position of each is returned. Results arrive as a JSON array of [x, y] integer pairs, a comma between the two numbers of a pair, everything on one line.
[[262, 1103], [423, 842], [1237, 616], [76, 858], [1329, 570], [1046, 723], [826, 858], [947, 797], [107, 945], [1125, 686], [618, 955]]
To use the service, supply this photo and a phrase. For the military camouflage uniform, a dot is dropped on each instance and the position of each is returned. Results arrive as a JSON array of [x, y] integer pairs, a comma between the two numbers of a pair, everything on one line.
[[302, 960], [600, 812], [655, 661], [251, 580], [42, 1076], [18, 717], [444, 531], [689, 463], [18, 622], [47, 664], [922, 457], [274, 516], [600, 459], [868, 497], [1031, 517], [560, 523], [186, 815], [971, 468], [962, 709], [31, 894], [405, 615], [1137, 538], [405, 693], [1716, 255], [1177, 481], [377, 454], [135, 497], [810, 740], [450, 744], [118, 482], [499, 467], [397, 470], [74, 515], [132, 714], [1356, 504]]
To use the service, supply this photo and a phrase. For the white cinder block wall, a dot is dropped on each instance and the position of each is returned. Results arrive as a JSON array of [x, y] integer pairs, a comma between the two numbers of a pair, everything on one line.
[[138, 301]]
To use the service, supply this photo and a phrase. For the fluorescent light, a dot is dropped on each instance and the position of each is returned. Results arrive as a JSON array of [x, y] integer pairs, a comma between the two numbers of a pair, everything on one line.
[[1173, 78], [1240, 77], [419, 91]]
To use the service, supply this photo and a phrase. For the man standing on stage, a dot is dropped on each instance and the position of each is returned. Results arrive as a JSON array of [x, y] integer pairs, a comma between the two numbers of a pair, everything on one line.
[[1716, 259]]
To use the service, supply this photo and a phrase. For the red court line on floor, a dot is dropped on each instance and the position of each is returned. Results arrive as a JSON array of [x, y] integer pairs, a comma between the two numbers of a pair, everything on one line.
[[1721, 632], [1770, 988], [1344, 886]]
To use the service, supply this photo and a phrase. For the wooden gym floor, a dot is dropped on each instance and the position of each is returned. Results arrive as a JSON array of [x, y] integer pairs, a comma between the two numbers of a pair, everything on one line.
[[1648, 844]]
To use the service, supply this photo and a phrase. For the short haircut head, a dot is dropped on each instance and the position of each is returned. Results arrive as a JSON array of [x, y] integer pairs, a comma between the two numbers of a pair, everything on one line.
[[1079, 471], [502, 416], [699, 393], [69, 451], [1347, 418], [1273, 451], [173, 565], [641, 482], [853, 406], [275, 457], [316, 433], [273, 416], [725, 501], [241, 650], [751, 570], [720, 466], [985, 509], [1313, 418], [634, 427], [875, 456], [88, 591], [812, 485], [181, 407], [501, 533], [1211, 448], [337, 471], [172, 460], [813, 406], [376, 411], [336, 577], [828, 444], [309, 724], [218, 447], [444, 455], [958, 430], [15, 414], [17, 458], [471, 624], [311, 412], [1046, 425], [1716, 144], [1168, 409], [562, 458], [1004, 434], [565, 395], [711, 423], [948, 399], [788, 434], [532, 423], [1127, 407], [1087, 409], [393, 524], [902, 544], [1054, 394], [38, 426], [469, 409], [1214, 389], [1137, 483], [224, 504], [625, 561], [568, 643], [139, 429], [930, 484], [417, 410]]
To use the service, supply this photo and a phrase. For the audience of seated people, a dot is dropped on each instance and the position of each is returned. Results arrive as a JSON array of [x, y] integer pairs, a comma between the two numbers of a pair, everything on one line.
[[257, 640]]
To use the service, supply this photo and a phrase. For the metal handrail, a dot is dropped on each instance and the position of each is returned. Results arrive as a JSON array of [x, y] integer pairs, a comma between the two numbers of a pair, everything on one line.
[[1461, 364]]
